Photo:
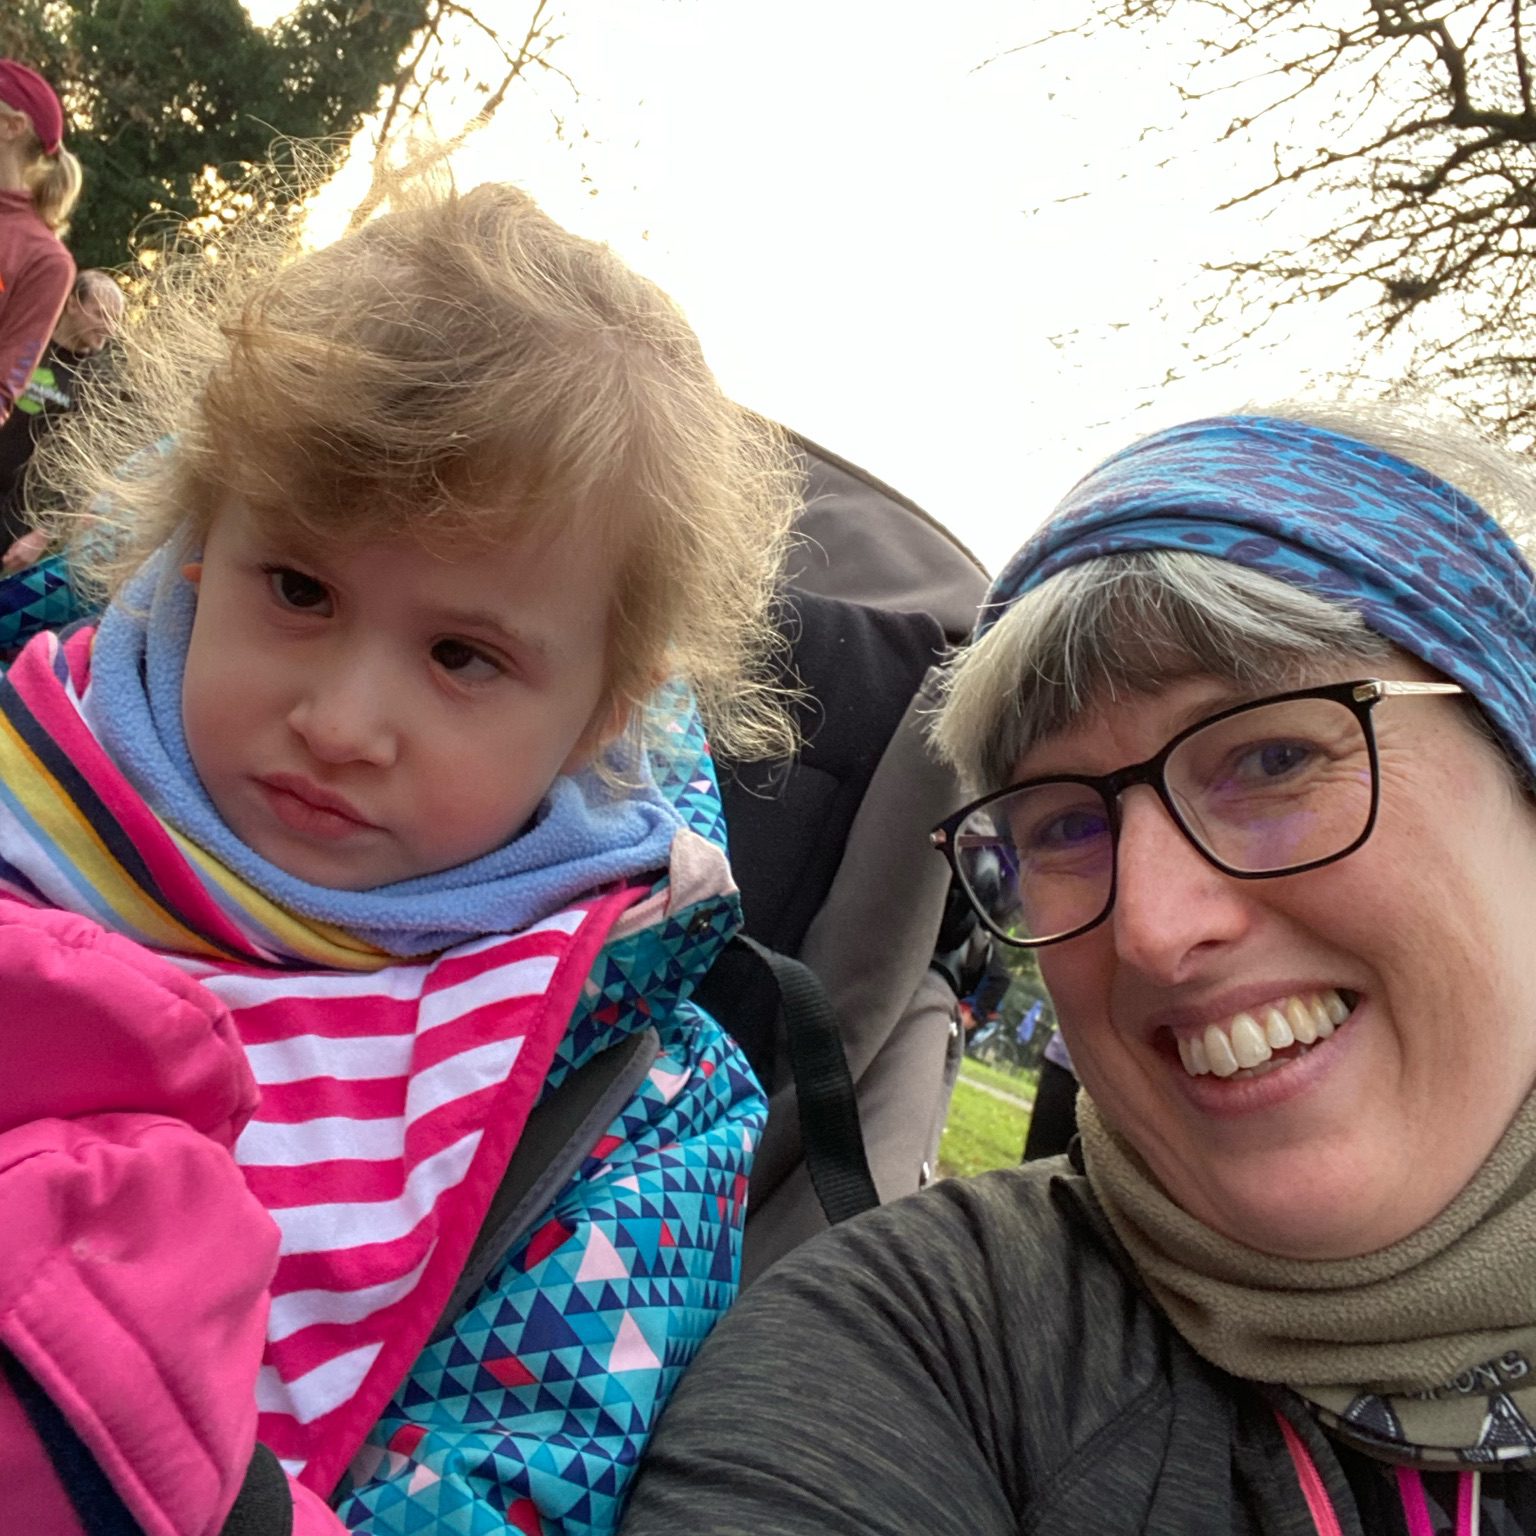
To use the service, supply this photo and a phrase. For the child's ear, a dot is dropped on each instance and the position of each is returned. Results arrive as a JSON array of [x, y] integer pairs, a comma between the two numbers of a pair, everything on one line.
[[605, 727], [609, 721], [193, 571]]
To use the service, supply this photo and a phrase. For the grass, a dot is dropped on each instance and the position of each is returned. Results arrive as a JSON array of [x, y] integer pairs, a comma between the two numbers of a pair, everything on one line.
[[983, 1131], [1021, 1084]]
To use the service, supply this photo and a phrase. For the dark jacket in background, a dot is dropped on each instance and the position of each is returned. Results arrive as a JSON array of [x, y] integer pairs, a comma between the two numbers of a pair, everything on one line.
[[51, 394]]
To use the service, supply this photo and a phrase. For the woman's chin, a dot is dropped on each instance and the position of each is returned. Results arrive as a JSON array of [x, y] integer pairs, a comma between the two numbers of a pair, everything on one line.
[[1304, 1162], [1307, 1205]]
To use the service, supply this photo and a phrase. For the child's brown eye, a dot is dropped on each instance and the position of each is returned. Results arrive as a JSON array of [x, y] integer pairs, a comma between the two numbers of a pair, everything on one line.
[[465, 660], [293, 589]]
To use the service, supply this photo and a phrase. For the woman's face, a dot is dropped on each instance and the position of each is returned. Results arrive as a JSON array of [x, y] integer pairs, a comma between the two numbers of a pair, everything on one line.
[[1351, 1144]]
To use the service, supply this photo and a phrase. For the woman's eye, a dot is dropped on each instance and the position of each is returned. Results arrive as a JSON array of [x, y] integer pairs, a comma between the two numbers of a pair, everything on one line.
[[1069, 832], [293, 589], [1271, 760], [467, 662]]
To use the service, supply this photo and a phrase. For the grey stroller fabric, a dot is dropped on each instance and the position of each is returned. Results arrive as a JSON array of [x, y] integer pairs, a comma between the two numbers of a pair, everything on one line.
[[831, 850]]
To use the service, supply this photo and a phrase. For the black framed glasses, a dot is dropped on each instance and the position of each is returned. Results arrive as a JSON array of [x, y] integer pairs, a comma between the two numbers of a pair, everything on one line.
[[1272, 787]]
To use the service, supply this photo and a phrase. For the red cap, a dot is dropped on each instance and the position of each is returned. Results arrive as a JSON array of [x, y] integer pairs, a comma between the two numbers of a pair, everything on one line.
[[27, 92]]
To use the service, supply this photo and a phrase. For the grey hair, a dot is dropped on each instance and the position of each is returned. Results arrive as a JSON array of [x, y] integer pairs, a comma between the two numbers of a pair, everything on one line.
[[1123, 626], [94, 282]]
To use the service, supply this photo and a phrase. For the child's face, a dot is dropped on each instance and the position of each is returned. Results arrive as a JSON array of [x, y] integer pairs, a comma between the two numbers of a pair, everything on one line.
[[364, 714]]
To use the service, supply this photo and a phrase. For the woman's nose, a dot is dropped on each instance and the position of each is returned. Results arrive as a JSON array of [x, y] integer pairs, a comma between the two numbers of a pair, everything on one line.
[[345, 713], [1171, 904]]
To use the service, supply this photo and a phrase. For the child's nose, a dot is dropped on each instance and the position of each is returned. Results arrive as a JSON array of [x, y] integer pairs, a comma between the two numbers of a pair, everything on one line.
[[1171, 905], [345, 714]]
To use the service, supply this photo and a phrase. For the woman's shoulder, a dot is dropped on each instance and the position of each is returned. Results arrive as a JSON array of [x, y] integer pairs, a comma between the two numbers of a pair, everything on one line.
[[1031, 1241], [1037, 1225], [1051, 1315], [980, 1333], [1010, 1278], [24, 231]]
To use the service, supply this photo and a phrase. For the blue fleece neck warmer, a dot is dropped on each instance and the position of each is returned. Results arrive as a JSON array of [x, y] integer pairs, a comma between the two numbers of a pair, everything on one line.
[[1423, 564], [584, 835]]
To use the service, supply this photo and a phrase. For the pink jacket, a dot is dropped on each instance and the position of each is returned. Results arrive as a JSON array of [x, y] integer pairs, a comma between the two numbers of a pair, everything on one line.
[[35, 273], [134, 1262]]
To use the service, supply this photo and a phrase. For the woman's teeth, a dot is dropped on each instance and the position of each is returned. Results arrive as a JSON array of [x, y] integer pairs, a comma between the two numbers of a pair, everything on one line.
[[1248, 1040]]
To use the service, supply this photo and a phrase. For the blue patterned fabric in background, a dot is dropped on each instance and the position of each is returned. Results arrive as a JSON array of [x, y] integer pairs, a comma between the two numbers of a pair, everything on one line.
[[1421, 562], [38, 598]]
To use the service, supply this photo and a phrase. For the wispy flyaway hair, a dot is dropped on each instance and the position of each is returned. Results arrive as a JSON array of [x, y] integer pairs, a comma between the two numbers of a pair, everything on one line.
[[463, 371]]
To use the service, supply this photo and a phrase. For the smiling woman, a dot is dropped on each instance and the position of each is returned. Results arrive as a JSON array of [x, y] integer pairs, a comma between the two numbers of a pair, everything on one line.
[[1251, 723]]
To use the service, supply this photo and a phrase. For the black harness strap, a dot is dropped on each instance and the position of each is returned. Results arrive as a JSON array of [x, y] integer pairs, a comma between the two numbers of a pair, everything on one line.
[[763, 998]]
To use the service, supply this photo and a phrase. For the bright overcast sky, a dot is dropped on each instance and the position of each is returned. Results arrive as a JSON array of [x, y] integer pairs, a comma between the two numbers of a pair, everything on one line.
[[967, 277]]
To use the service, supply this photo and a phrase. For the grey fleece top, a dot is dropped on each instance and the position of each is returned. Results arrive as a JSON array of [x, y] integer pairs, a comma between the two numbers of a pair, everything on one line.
[[975, 1360]]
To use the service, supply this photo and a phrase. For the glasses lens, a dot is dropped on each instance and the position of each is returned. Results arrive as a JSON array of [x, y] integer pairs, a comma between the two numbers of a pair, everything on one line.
[[1276, 786], [1038, 863]]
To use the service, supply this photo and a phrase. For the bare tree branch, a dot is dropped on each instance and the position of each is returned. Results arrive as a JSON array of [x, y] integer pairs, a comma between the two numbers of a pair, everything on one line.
[[425, 71], [1422, 121]]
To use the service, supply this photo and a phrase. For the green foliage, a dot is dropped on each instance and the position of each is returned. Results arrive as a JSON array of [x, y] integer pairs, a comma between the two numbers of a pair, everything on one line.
[[1021, 964], [173, 101]]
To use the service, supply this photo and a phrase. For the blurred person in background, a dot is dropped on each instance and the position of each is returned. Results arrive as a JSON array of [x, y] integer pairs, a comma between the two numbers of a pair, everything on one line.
[[88, 321]]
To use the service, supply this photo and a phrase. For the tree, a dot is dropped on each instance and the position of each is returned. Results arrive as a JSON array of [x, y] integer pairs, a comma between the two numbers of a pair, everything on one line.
[[426, 71], [174, 103], [171, 100], [1412, 124]]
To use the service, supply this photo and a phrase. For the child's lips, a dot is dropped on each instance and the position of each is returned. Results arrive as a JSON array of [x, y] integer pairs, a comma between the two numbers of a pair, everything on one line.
[[307, 808]]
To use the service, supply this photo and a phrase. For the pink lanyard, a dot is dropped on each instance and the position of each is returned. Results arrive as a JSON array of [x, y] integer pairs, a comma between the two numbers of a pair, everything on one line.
[[1410, 1489]]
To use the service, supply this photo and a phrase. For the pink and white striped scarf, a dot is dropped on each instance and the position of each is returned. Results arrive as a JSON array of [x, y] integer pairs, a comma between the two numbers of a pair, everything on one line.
[[390, 1103]]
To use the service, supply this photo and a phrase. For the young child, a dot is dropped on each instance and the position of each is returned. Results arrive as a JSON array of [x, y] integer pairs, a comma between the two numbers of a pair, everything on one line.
[[359, 825]]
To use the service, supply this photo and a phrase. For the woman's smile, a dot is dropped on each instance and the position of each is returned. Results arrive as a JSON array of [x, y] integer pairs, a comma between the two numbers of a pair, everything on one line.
[[1263, 1039], [1292, 1079]]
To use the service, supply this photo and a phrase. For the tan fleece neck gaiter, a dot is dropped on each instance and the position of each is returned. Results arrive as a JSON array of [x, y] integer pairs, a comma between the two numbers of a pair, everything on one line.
[[1421, 1352]]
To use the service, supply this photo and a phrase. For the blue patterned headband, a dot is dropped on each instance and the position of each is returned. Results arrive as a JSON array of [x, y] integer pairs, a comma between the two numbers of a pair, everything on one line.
[[1423, 564]]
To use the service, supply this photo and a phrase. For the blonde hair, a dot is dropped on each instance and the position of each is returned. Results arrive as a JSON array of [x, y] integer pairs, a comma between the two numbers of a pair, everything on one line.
[[461, 370], [53, 181]]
